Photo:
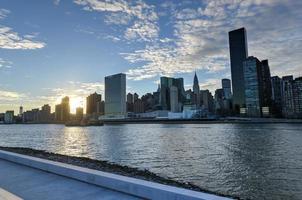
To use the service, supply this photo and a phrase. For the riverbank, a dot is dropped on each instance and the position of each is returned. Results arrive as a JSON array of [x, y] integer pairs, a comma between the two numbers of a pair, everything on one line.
[[229, 120], [234, 120], [107, 167]]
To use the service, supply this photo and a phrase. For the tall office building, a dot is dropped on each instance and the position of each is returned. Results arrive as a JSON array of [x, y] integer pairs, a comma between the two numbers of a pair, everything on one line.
[[65, 109], [297, 96], [258, 88], [253, 94], [115, 95], [238, 53], [129, 98], [196, 91], [287, 96], [130, 102], [226, 87], [266, 84], [174, 99], [91, 103], [207, 100], [165, 84], [58, 112], [276, 96], [44, 114]]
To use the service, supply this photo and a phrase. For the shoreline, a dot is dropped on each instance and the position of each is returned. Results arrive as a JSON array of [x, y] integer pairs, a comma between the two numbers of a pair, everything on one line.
[[109, 167], [185, 121]]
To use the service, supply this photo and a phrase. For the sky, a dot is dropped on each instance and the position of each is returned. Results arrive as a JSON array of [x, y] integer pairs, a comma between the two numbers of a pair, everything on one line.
[[53, 48]]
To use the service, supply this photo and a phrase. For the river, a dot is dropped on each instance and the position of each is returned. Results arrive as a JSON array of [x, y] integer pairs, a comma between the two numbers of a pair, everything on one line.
[[252, 161]]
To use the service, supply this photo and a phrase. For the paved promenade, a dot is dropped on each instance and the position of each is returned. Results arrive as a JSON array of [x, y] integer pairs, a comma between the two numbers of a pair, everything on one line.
[[33, 184]]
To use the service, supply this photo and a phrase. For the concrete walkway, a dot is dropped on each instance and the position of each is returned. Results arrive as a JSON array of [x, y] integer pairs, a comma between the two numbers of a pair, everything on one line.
[[29, 183]]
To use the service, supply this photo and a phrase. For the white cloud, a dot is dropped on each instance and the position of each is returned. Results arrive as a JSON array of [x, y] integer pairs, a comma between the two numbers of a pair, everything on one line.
[[141, 17], [10, 95], [56, 2], [3, 13], [5, 63], [11, 40], [201, 38]]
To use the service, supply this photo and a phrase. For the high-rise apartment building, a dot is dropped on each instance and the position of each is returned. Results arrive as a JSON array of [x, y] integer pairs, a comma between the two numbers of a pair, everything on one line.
[[238, 53], [115, 95], [65, 109], [91, 103]]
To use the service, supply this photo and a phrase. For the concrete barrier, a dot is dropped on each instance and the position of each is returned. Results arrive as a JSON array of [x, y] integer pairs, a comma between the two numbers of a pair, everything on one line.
[[5, 195], [128, 185]]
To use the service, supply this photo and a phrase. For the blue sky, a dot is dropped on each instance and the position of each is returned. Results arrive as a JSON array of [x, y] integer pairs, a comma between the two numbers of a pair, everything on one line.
[[53, 48]]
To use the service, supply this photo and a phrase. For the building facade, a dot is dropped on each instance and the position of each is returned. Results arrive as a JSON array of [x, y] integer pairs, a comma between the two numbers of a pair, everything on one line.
[[115, 95], [238, 53], [91, 103], [165, 85]]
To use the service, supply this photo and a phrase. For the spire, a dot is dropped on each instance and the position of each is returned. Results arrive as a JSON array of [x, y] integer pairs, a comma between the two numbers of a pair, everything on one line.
[[195, 79], [196, 84]]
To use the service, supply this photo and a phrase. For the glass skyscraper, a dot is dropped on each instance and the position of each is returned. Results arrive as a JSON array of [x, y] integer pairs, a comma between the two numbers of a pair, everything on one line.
[[115, 96], [252, 82], [238, 53]]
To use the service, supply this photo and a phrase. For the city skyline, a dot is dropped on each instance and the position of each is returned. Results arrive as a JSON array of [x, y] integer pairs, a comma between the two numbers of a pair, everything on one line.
[[30, 51]]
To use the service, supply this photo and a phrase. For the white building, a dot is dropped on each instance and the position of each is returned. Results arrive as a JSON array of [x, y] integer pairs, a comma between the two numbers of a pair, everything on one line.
[[115, 96]]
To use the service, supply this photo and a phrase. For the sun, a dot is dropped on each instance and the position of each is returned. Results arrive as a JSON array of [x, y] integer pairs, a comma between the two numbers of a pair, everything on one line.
[[75, 102]]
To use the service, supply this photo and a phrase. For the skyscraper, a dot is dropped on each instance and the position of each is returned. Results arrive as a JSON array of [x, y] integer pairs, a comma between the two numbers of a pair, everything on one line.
[[91, 103], [196, 91], [238, 53], [276, 96], [174, 99], [165, 85], [297, 95], [253, 94], [207, 100], [287, 96], [266, 84], [226, 87], [115, 95], [45, 113], [65, 111], [58, 111]]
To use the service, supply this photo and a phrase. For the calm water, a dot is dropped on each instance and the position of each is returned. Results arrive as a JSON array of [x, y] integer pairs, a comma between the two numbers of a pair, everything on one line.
[[251, 161]]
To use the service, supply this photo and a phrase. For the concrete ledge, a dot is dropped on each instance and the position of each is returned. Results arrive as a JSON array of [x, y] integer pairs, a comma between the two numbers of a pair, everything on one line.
[[5, 195], [132, 186]]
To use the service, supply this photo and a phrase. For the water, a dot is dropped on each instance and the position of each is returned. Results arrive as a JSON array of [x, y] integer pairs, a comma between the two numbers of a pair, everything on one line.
[[254, 161]]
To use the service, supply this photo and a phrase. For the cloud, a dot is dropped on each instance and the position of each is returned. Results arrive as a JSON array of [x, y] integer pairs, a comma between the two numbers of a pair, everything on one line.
[[56, 2], [3, 13], [10, 95], [200, 38], [11, 40], [5, 63], [140, 17]]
